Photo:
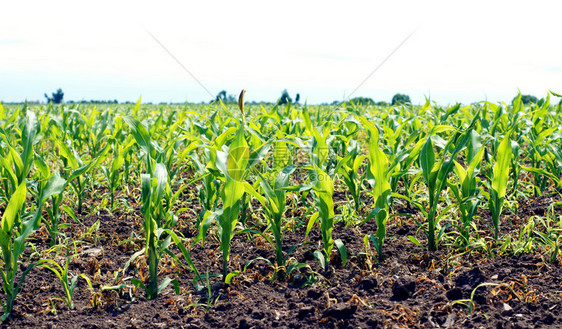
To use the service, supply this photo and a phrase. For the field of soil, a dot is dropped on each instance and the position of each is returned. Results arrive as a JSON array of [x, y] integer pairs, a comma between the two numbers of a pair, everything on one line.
[[410, 289]]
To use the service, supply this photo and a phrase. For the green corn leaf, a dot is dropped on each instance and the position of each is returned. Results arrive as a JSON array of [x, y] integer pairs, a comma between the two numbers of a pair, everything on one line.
[[118, 160], [311, 221], [2, 112], [427, 160], [18, 164], [65, 151], [250, 190], [342, 249], [136, 109], [259, 155], [138, 283], [42, 167], [238, 156], [474, 146], [161, 175], [320, 258], [501, 167], [460, 172], [208, 218], [166, 282], [414, 240], [28, 139], [140, 133], [282, 181], [555, 94], [544, 173], [231, 276], [79, 171], [222, 138], [54, 186], [10, 174], [14, 205], [186, 254]]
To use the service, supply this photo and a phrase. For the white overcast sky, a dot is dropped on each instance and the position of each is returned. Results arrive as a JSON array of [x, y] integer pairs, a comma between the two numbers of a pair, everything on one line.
[[463, 51]]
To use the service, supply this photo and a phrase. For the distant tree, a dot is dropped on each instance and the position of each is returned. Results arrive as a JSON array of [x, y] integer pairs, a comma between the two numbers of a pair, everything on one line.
[[527, 99], [222, 96], [285, 98], [297, 98], [57, 97], [231, 99], [362, 101], [400, 99]]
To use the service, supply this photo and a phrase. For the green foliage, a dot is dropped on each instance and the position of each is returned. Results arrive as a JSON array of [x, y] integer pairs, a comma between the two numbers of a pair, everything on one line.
[[527, 99], [362, 101], [499, 181], [285, 98], [56, 98], [399, 99], [267, 169]]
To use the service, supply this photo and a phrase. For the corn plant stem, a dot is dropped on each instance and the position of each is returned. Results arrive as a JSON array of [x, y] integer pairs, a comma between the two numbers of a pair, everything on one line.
[[152, 267]]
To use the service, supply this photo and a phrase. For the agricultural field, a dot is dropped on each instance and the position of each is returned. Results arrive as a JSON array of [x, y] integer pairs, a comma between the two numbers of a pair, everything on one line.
[[293, 216]]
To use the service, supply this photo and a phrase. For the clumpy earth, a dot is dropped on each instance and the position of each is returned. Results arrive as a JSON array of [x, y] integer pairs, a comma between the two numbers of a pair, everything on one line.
[[411, 288]]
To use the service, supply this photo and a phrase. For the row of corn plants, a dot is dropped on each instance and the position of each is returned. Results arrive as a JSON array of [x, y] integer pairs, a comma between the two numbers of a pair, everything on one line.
[[449, 163]]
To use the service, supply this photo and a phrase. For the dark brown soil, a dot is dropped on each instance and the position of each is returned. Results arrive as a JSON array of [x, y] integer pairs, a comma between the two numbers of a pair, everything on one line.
[[411, 288]]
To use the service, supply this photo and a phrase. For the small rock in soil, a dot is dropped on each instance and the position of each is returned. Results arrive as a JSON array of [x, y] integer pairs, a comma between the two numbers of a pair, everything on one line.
[[314, 293], [368, 284], [450, 320], [340, 311], [92, 252], [305, 311], [403, 288], [471, 278], [243, 324], [454, 294]]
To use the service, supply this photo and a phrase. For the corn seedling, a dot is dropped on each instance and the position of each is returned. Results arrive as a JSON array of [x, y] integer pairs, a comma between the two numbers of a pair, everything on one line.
[[465, 189], [348, 168], [435, 176], [153, 189], [234, 166], [498, 184], [274, 205], [114, 173], [323, 188], [77, 174], [62, 274], [380, 172]]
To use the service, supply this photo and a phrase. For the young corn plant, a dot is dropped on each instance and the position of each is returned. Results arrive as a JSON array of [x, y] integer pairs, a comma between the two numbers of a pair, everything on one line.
[[498, 186], [153, 193], [274, 205], [379, 170], [114, 172], [62, 274], [323, 187], [16, 224], [322, 184], [46, 179], [550, 237], [157, 217], [465, 189], [77, 176], [234, 166], [348, 168], [13, 232], [435, 177], [12, 247]]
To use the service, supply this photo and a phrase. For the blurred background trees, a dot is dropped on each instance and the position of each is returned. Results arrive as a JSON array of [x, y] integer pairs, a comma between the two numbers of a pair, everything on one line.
[[56, 98]]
